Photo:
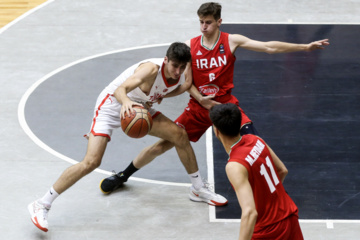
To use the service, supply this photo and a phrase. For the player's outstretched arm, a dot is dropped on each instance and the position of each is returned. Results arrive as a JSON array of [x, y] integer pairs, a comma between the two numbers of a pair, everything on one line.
[[272, 47]]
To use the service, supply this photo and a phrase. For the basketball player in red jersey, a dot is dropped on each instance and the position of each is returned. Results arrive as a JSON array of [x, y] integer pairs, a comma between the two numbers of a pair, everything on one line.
[[267, 210], [213, 68], [213, 61]]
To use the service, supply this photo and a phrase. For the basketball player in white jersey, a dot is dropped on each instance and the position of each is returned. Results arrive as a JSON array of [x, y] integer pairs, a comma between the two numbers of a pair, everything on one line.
[[142, 84]]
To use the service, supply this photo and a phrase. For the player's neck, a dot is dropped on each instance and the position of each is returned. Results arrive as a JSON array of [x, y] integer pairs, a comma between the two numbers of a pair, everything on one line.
[[210, 41], [229, 142], [167, 77]]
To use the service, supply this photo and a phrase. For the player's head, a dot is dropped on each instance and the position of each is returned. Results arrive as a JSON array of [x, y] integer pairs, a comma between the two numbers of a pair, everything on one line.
[[176, 59], [226, 118], [179, 52], [210, 9], [210, 18]]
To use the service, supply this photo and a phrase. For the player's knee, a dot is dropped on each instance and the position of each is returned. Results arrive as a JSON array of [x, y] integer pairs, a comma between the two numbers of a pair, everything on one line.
[[181, 138], [160, 148], [90, 164], [157, 150]]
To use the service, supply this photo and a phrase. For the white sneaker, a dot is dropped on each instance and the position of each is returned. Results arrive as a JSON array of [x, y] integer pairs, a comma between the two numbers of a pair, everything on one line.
[[39, 214], [205, 195]]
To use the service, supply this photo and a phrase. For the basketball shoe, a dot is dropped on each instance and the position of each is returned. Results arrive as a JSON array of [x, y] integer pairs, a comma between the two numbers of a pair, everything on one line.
[[39, 214], [205, 195], [107, 185]]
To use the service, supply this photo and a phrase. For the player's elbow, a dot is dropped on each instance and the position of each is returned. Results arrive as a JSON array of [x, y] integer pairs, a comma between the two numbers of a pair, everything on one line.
[[250, 214], [272, 47], [187, 85], [283, 171], [270, 50]]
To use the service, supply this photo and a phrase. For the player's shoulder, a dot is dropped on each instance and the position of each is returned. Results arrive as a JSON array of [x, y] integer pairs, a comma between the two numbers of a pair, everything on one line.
[[193, 40], [150, 65], [251, 138], [247, 142], [235, 37], [153, 61]]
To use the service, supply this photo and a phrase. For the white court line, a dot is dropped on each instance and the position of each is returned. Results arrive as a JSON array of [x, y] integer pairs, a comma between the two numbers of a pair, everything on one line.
[[212, 214], [35, 139], [291, 22], [210, 169], [328, 222], [25, 15]]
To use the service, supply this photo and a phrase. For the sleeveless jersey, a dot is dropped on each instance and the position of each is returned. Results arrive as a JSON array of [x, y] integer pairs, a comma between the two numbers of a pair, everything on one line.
[[159, 89], [273, 204], [213, 69]]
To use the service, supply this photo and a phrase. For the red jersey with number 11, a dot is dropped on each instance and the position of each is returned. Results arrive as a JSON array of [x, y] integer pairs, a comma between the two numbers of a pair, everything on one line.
[[213, 69], [273, 204]]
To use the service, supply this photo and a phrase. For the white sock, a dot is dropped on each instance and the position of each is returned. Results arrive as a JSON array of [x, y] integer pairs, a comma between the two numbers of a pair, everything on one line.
[[50, 196], [196, 180]]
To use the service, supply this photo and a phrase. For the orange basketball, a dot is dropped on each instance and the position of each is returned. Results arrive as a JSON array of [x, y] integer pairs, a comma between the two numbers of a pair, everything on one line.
[[138, 124]]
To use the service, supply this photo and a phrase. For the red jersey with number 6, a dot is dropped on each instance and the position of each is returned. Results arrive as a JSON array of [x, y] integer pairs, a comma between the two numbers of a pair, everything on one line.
[[273, 204], [213, 69]]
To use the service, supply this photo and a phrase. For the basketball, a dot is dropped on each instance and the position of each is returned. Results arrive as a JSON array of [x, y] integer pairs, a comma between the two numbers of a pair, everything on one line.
[[138, 124]]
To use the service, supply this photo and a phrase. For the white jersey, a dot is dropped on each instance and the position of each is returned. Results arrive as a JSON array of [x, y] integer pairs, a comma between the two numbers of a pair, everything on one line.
[[107, 108], [159, 89]]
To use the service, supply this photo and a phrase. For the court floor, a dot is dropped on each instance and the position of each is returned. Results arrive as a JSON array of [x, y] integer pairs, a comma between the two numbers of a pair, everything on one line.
[[57, 58]]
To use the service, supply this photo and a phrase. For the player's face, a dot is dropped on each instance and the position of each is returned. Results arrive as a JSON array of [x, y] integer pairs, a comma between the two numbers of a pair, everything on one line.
[[174, 69], [208, 25]]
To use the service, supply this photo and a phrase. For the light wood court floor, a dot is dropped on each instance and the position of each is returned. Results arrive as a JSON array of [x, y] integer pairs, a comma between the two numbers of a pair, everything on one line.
[[10, 10]]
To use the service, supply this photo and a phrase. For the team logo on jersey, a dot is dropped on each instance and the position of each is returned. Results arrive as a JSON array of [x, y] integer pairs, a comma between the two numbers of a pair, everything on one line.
[[199, 53], [221, 48], [155, 97], [209, 89]]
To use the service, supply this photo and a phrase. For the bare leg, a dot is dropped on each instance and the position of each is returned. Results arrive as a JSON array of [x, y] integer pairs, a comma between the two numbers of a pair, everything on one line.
[[171, 135], [95, 151], [151, 152]]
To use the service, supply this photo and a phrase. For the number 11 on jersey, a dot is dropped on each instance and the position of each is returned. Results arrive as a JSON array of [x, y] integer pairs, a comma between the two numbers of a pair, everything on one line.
[[265, 173]]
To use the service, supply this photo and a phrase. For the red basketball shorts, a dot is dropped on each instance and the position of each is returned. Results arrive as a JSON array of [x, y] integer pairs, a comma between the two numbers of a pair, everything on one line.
[[287, 229], [196, 120]]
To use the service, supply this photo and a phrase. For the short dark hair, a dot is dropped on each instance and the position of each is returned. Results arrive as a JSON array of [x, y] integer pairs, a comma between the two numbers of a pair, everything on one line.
[[210, 9], [226, 118], [179, 52]]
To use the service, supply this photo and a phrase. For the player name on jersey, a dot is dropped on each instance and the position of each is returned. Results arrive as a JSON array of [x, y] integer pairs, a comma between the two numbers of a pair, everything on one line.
[[255, 152], [213, 62]]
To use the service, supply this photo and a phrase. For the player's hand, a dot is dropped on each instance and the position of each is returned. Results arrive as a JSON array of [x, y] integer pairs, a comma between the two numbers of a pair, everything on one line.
[[207, 102], [148, 105], [159, 100], [317, 45], [127, 108]]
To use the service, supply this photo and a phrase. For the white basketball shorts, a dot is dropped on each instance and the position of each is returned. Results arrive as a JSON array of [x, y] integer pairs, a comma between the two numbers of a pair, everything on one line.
[[107, 115]]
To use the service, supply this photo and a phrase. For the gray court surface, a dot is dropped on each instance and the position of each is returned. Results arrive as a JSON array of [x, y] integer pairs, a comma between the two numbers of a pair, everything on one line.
[[49, 61]]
